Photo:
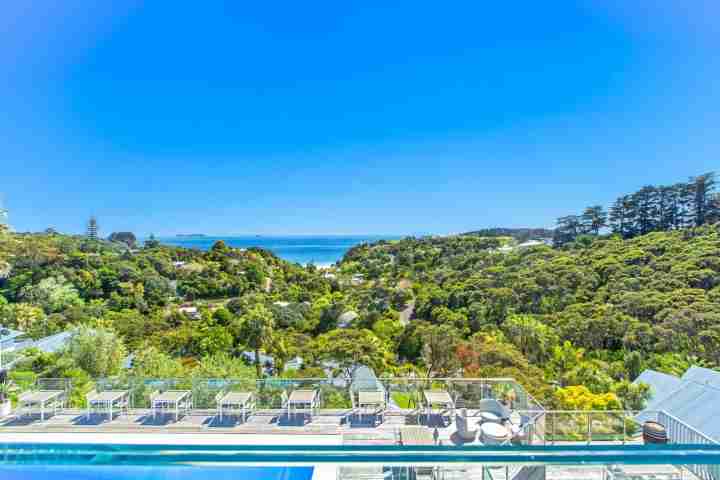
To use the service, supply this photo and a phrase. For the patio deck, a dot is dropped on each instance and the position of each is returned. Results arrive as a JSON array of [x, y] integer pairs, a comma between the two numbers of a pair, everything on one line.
[[346, 428]]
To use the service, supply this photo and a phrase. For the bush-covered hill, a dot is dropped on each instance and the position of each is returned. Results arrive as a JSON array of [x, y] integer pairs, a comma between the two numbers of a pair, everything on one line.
[[62, 279], [592, 313], [574, 324]]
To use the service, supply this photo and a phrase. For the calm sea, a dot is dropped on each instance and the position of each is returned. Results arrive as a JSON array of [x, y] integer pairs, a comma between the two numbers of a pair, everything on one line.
[[320, 250]]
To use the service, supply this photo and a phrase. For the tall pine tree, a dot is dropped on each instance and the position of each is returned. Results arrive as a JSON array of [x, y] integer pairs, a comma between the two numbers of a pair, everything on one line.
[[594, 219], [703, 187], [622, 217]]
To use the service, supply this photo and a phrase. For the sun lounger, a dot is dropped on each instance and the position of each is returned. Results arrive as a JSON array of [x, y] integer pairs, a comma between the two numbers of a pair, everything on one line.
[[238, 402], [370, 403], [176, 401], [439, 399], [41, 401], [302, 401], [107, 401]]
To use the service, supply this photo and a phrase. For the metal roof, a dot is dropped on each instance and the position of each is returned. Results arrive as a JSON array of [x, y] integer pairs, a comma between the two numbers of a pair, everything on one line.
[[694, 398], [8, 335], [702, 375], [53, 343], [661, 385], [364, 378]]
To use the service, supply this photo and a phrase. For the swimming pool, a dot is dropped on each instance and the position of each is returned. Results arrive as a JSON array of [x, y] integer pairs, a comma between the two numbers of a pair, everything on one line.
[[151, 472], [59, 461]]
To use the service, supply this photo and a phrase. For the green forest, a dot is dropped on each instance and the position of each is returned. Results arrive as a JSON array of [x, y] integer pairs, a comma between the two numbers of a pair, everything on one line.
[[575, 322]]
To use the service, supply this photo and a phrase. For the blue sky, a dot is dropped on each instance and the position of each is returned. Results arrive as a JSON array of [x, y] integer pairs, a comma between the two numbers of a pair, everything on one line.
[[348, 117]]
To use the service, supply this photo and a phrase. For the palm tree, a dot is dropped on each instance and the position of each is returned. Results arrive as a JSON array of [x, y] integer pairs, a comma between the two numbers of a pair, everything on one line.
[[257, 327]]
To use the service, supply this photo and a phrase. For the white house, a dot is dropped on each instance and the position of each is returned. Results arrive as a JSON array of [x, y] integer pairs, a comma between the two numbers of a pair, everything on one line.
[[346, 319], [190, 310]]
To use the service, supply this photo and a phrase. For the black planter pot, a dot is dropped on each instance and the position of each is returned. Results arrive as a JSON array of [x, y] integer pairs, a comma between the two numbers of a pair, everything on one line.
[[654, 433]]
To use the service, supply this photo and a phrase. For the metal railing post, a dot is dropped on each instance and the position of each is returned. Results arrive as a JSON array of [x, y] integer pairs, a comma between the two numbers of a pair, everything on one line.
[[589, 428]]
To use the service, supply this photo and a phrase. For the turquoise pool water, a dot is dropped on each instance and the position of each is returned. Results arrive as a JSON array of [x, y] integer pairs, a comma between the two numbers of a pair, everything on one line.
[[149, 472], [59, 461]]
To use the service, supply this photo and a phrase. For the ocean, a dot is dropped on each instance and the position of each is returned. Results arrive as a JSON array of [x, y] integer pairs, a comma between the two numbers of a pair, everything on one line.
[[319, 250]]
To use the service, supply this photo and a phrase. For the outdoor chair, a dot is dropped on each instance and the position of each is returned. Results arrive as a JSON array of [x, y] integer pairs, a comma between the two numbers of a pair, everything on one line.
[[463, 428], [490, 410]]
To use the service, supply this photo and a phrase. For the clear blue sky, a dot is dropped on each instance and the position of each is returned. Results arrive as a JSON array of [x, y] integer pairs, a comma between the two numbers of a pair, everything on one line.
[[348, 117]]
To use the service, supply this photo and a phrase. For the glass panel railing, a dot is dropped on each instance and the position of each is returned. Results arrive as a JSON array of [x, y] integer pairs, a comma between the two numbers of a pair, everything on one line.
[[618, 426], [403, 394]]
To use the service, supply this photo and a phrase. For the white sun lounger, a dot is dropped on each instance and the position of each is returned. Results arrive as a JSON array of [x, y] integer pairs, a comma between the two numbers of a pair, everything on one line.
[[41, 401], [107, 401], [229, 402], [302, 401], [177, 401], [371, 403], [440, 399]]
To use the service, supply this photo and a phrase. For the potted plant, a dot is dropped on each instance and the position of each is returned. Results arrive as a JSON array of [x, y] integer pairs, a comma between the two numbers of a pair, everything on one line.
[[5, 403]]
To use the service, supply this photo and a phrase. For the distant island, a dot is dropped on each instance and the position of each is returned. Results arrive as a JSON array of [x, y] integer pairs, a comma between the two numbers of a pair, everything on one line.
[[191, 235]]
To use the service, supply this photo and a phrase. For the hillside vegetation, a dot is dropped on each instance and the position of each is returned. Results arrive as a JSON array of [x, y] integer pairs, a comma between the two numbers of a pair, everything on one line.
[[574, 324], [593, 314]]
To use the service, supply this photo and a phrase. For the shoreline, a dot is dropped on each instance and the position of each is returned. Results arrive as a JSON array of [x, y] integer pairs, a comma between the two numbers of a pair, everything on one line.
[[323, 252]]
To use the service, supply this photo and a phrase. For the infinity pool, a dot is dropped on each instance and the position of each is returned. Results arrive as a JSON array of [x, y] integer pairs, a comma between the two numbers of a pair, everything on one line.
[[60, 461], [103, 472]]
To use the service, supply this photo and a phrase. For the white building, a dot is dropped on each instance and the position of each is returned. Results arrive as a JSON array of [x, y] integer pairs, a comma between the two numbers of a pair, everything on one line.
[[345, 320]]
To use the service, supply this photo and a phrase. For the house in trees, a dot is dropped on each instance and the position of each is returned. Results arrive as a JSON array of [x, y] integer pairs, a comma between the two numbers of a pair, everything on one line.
[[345, 320]]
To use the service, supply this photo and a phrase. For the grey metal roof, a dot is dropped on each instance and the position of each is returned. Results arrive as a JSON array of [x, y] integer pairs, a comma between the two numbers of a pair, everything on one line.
[[661, 385], [694, 398], [702, 375], [8, 336], [364, 378], [53, 343]]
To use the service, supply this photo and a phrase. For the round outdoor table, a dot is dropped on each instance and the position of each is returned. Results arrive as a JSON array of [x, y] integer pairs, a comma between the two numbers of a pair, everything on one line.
[[493, 433], [489, 417]]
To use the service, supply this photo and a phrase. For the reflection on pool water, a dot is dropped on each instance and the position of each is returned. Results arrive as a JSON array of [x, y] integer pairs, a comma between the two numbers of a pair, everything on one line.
[[38, 461], [124, 472]]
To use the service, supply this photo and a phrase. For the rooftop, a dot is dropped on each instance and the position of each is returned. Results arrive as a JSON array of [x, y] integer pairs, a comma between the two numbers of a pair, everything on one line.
[[693, 398]]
